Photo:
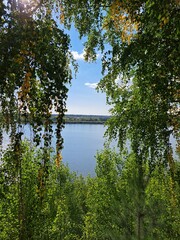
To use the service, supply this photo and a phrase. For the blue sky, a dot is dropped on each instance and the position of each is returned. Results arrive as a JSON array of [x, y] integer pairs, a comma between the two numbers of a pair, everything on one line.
[[83, 98]]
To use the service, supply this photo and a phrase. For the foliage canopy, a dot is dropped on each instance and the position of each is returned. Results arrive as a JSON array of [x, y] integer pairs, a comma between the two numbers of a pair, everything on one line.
[[141, 70], [140, 62], [34, 68]]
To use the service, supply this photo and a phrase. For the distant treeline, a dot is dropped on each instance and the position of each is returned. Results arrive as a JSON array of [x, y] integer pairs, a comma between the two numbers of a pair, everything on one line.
[[94, 119], [73, 118]]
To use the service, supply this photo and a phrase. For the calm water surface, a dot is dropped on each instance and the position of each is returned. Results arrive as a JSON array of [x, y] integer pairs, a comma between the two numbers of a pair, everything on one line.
[[81, 143]]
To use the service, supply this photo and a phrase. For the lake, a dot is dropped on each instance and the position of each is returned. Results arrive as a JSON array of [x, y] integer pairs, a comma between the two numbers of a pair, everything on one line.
[[81, 143]]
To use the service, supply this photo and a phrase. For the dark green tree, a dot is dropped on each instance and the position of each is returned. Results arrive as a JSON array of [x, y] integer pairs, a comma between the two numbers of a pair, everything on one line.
[[20, 201], [34, 68], [31, 208], [117, 210]]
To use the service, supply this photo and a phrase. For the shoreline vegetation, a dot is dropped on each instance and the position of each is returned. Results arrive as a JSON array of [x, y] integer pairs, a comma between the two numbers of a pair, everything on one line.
[[75, 119], [84, 119]]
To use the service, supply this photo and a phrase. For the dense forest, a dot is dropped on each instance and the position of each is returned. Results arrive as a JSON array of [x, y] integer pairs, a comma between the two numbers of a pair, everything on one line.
[[62, 205], [136, 192]]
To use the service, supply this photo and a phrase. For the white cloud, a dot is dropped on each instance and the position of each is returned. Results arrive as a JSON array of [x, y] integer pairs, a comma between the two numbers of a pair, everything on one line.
[[91, 85], [80, 56]]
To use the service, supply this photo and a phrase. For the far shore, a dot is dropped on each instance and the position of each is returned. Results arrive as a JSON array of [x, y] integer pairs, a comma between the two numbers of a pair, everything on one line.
[[84, 119], [78, 119]]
